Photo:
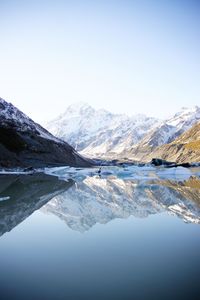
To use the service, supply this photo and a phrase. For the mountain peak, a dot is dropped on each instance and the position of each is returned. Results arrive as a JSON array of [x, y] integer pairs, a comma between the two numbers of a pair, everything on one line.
[[188, 110], [83, 126], [79, 108], [185, 114]]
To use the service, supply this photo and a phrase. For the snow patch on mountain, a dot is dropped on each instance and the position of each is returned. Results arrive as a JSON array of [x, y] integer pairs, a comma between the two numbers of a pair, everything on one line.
[[169, 129], [9, 114]]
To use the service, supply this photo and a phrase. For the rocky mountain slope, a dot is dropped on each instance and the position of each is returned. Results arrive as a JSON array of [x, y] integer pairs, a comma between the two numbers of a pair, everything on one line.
[[186, 148], [99, 132], [25, 143], [165, 133]]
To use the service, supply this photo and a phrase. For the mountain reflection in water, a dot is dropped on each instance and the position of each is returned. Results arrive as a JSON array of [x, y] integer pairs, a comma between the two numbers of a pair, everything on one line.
[[24, 194], [93, 200]]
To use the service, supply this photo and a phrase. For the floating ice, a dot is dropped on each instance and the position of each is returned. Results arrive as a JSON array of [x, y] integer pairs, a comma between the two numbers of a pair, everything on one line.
[[4, 198], [175, 173], [146, 173], [130, 172]]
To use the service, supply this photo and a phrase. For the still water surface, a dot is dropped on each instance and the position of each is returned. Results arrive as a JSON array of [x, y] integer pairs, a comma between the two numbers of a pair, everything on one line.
[[99, 238]]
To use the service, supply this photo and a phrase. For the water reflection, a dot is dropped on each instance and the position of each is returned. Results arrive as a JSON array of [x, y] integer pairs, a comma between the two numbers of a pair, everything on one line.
[[96, 200], [21, 195], [82, 204], [151, 258]]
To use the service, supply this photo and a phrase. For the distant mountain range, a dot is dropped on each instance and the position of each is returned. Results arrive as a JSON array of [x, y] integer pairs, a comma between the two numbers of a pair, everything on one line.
[[25, 143], [81, 131], [101, 134], [97, 132]]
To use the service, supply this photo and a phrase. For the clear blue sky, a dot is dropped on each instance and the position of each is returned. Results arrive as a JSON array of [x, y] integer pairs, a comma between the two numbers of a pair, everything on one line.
[[126, 56]]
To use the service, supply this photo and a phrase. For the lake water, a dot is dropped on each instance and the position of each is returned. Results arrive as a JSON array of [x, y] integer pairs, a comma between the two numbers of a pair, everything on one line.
[[99, 238]]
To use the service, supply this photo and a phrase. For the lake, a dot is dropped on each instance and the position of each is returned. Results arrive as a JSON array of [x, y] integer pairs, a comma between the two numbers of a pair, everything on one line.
[[99, 237]]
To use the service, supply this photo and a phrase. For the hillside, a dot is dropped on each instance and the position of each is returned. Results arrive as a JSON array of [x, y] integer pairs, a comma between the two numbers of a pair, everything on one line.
[[24, 143], [185, 148]]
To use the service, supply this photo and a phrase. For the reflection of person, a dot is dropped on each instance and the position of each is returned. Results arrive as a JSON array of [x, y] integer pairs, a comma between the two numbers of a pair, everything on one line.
[[99, 171]]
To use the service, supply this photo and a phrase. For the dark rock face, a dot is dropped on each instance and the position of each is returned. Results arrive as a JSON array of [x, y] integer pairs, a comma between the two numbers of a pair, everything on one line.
[[161, 162], [28, 149], [168, 164], [24, 143]]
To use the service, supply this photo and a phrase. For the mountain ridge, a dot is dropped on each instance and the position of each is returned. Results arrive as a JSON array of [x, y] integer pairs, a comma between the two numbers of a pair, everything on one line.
[[98, 130], [25, 143], [102, 134], [186, 148]]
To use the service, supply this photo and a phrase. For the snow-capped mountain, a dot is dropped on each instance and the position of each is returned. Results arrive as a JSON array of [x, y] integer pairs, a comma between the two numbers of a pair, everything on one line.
[[9, 114], [96, 132], [186, 148], [99, 133], [25, 143], [120, 136], [170, 129], [79, 123], [166, 132]]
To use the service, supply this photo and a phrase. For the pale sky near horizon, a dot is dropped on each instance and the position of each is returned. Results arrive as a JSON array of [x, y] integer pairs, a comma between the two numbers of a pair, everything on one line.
[[124, 56]]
